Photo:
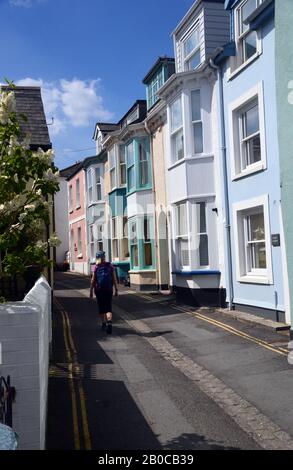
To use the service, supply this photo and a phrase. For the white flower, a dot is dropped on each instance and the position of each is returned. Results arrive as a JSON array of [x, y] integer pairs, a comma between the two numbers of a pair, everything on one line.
[[7, 106], [54, 241], [50, 176], [22, 216], [30, 207], [42, 245]]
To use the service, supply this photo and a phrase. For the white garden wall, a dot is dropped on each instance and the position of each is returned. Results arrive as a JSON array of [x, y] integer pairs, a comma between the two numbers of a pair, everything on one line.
[[25, 335]]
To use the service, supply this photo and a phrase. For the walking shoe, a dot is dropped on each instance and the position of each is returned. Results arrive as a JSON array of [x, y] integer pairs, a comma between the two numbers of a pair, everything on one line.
[[104, 325], [109, 328]]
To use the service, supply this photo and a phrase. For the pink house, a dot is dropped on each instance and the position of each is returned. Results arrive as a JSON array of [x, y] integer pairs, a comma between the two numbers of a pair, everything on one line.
[[77, 221]]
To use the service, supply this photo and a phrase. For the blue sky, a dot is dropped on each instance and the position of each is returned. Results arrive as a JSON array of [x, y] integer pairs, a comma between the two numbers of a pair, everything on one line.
[[89, 56]]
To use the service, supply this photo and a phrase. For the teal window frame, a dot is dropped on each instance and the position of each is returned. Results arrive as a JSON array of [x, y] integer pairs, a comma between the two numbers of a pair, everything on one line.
[[136, 165], [141, 241], [153, 87]]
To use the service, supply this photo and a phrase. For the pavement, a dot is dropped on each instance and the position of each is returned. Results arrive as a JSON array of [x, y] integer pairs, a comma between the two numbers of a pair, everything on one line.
[[169, 377]]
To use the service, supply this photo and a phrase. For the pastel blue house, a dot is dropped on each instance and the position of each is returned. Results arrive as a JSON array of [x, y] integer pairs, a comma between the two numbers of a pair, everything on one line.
[[255, 248]]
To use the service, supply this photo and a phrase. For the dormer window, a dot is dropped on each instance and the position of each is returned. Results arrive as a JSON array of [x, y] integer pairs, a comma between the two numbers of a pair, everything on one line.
[[132, 116], [191, 50]]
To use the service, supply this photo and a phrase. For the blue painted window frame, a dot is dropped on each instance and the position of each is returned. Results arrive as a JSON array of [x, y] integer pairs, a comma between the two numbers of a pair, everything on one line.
[[136, 166]]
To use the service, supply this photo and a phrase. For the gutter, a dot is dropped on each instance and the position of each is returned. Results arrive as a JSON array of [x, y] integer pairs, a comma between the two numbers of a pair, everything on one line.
[[227, 225]]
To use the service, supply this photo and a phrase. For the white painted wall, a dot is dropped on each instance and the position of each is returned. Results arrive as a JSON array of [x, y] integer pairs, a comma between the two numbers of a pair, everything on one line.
[[61, 220], [25, 335]]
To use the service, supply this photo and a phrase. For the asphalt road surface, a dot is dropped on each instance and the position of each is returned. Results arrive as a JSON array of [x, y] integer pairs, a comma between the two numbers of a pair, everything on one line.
[[169, 377]]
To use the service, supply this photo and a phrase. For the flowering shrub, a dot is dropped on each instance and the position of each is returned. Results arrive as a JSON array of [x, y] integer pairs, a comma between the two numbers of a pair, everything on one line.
[[27, 180]]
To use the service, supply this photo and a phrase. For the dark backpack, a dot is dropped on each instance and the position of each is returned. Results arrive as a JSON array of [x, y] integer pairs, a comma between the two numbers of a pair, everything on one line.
[[103, 276]]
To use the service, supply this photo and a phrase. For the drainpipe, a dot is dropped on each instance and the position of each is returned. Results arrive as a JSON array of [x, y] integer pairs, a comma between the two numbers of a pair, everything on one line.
[[227, 226], [155, 201]]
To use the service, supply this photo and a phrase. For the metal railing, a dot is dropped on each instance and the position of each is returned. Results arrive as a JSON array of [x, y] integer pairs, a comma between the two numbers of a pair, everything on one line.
[[7, 397]]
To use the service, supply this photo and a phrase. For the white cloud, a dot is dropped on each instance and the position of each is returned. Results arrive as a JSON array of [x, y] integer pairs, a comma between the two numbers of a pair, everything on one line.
[[75, 103], [25, 3]]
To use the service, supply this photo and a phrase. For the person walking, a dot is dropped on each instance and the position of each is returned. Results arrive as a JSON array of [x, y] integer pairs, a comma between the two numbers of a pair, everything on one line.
[[102, 283]]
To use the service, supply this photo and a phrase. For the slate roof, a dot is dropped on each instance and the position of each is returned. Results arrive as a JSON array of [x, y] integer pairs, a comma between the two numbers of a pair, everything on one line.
[[67, 172], [29, 102]]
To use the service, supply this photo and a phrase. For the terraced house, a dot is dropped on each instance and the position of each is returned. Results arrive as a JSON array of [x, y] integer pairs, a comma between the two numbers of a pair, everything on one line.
[[249, 113], [192, 157]]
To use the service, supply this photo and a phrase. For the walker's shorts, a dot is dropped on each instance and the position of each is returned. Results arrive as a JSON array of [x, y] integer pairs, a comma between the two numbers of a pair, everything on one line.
[[104, 300]]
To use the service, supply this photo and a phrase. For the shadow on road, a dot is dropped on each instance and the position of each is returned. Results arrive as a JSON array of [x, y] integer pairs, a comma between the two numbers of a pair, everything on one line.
[[195, 442]]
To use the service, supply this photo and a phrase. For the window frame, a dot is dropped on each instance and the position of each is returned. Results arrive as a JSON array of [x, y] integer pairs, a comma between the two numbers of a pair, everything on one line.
[[131, 167], [79, 242], [90, 186], [122, 165], [197, 49], [234, 131], [195, 122], [241, 211], [237, 62], [70, 198], [180, 129], [182, 237], [140, 242], [77, 194], [112, 167], [98, 183]]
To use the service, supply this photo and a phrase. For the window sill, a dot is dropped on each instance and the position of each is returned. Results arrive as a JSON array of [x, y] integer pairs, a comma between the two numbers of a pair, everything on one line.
[[137, 190], [198, 272], [138, 271], [242, 67], [193, 158], [250, 171], [71, 211], [95, 203], [80, 257], [249, 279], [77, 208]]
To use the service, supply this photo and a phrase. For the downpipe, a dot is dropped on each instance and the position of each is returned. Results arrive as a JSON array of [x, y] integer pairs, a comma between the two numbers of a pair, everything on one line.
[[227, 225]]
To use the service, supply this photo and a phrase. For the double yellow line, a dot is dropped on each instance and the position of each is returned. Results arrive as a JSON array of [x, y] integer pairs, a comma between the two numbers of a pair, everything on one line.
[[73, 366], [234, 331]]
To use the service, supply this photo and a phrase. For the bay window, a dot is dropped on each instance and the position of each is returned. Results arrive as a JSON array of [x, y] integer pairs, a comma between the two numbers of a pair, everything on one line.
[[120, 250], [192, 225], [196, 121], [177, 138]]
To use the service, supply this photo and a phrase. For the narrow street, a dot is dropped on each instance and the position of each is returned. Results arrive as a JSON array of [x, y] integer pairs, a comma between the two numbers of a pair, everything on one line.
[[168, 378]]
